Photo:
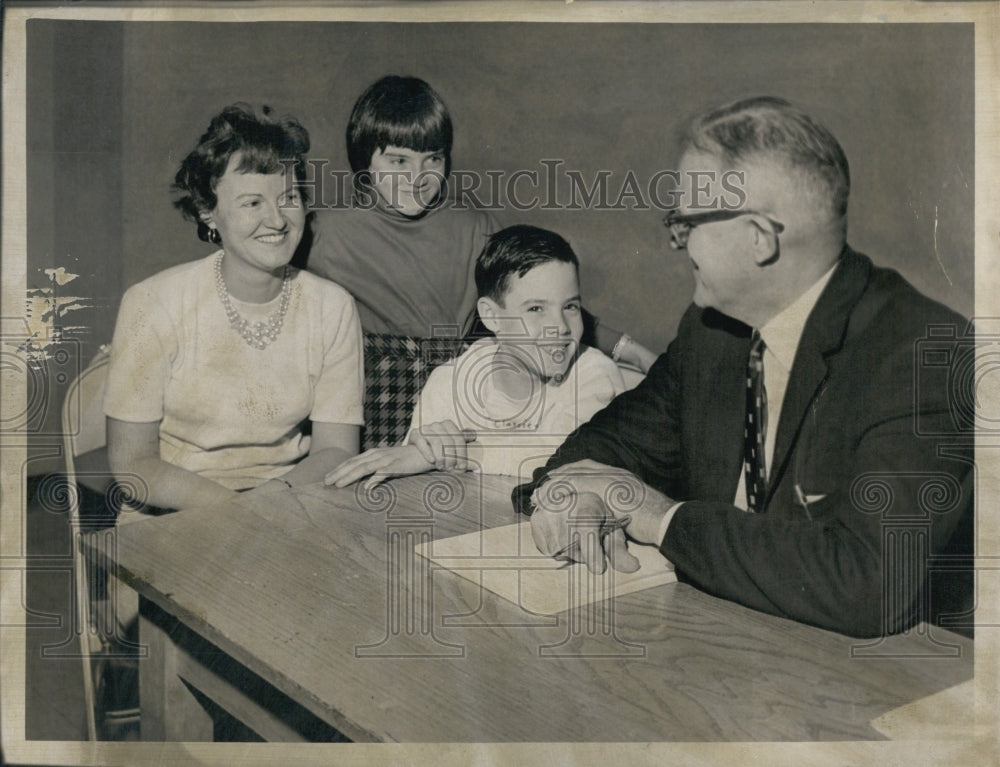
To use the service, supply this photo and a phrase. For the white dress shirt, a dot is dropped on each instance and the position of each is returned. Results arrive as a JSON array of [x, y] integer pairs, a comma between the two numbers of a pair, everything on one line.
[[781, 335]]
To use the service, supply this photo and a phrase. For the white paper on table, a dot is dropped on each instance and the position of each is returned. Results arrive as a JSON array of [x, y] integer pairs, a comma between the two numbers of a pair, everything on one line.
[[505, 561]]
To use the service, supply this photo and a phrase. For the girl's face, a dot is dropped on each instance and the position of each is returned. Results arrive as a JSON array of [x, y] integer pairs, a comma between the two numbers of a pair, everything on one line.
[[407, 181]]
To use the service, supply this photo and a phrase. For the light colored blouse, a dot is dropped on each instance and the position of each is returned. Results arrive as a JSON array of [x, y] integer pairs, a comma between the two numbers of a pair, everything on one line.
[[227, 411]]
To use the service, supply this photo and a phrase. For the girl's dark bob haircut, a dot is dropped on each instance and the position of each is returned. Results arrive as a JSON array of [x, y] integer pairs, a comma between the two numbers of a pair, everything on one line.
[[398, 111]]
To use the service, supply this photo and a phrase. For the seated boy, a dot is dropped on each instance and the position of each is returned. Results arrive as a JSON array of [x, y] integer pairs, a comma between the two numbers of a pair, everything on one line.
[[513, 396]]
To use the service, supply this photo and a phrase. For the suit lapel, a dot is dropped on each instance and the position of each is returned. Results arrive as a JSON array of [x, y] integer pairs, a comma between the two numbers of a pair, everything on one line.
[[728, 414], [719, 406], [822, 336]]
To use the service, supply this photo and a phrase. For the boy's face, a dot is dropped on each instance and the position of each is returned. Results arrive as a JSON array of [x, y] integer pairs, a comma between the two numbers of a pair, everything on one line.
[[540, 318], [407, 181]]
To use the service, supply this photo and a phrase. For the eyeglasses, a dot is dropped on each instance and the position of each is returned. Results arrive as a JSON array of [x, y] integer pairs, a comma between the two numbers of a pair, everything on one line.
[[680, 226]]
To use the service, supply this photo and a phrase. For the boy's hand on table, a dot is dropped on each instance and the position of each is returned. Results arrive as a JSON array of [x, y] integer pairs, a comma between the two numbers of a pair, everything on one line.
[[382, 463], [442, 444]]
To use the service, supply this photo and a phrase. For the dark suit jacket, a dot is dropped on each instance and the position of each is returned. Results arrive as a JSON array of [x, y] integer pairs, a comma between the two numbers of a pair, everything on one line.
[[866, 433]]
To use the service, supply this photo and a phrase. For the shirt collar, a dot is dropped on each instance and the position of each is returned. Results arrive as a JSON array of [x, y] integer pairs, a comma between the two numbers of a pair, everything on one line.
[[783, 331]]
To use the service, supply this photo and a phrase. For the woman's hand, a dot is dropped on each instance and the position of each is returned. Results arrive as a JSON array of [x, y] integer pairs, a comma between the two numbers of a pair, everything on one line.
[[332, 444], [382, 463]]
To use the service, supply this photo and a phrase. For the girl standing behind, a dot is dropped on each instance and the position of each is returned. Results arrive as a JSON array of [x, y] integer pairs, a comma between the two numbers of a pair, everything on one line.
[[407, 254]]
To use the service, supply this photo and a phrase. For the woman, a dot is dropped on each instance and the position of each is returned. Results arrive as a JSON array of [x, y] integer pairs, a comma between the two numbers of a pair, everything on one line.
[[218, 364]]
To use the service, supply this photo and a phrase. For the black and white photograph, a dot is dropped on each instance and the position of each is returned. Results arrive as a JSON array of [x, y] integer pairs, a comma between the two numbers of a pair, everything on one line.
[[499, 383]]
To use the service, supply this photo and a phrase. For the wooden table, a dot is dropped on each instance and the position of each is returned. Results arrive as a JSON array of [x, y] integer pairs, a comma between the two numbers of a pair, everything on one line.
[[295, 617]]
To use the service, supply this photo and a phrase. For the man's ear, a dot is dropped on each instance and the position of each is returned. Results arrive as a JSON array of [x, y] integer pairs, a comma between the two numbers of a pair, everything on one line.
[[764, 241], [490, 313]]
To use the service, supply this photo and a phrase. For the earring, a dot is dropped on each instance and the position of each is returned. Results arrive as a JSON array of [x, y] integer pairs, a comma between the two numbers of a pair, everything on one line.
[[213, 236]]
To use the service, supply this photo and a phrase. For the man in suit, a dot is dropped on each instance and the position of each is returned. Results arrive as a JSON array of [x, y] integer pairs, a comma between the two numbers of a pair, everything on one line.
[[787, 452]]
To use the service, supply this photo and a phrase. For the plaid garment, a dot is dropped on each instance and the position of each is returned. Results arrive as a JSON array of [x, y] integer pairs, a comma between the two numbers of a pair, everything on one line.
[[396, 368]]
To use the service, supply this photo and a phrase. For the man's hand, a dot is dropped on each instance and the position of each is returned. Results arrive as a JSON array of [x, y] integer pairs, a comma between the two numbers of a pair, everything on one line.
[[442, 444], [582, 535], [382, 463], [565, 507]]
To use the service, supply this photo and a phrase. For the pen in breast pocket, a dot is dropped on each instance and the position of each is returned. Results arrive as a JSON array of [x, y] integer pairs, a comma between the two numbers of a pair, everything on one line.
[[801, 499]]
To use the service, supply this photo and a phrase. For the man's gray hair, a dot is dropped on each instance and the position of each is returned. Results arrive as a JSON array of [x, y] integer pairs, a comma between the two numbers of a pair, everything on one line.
[[769, 127]]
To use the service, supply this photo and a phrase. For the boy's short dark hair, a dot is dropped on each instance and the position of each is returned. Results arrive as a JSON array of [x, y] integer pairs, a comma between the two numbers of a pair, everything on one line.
[[398, 111], [517, 250]]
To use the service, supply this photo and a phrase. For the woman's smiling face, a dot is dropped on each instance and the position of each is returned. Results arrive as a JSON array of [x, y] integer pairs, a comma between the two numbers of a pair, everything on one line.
[[260, 216]]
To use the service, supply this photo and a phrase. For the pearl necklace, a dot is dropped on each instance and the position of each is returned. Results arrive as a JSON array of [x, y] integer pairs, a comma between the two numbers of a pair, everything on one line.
[[258, 335]]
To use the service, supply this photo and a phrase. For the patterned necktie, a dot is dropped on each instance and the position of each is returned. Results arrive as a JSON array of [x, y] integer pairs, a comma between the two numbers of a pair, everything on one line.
[[755, 432]]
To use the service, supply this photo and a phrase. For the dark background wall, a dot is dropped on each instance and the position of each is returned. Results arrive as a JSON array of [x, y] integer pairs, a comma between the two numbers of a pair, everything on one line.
[[73, 76], [113, 108]]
